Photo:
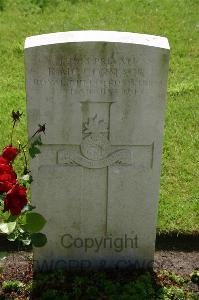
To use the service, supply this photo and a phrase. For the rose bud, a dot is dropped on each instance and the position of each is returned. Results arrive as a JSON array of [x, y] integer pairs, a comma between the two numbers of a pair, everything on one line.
[[16, 115]]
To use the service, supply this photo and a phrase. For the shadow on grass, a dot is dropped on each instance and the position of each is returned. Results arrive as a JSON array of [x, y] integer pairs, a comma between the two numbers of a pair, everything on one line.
[[177, 241], [125, 284], [111, 284]]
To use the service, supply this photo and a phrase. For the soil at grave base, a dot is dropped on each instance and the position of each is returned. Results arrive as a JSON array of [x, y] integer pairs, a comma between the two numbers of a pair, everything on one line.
[[18, 266]]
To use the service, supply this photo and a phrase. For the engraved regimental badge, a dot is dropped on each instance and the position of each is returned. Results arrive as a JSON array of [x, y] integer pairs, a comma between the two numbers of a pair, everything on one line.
[[96, 150], [95, 144]]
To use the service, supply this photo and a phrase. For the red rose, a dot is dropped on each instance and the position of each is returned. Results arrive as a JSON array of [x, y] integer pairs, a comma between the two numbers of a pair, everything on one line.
[[3, 160], [10, 153], [5, 186], [11, 177], [15, 199], [7, 176]]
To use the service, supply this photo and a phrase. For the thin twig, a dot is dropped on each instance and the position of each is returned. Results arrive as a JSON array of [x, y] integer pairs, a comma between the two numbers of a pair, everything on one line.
[[14, 122], [24, 154]]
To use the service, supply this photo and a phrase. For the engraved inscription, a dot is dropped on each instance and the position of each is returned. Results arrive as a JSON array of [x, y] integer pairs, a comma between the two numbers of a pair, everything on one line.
[[90, 75]]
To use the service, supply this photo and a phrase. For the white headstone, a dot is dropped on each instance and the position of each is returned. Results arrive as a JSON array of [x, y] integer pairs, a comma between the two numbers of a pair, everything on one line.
[[102, 97]]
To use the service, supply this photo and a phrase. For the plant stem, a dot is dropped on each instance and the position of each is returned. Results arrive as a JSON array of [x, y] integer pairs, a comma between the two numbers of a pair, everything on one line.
[[12, 132], [24, 154], [31, 139]]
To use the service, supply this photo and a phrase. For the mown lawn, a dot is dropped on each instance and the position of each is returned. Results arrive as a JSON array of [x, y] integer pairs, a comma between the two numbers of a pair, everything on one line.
[[177, 20]]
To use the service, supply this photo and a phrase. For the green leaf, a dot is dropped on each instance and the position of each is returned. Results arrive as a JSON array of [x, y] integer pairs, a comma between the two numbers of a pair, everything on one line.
[[38, 239], [26, 241], [2, 196], [23, 182], [3, 255], [30, 179], [36, 141], [21, 231], [12, 237], [12, 218], [5, 215], [34, 222], [33, 151], [7, 228], [22, 220]]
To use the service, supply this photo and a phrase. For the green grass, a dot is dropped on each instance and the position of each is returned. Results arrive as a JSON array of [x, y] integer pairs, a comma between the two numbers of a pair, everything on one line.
[[177, 20], [12, 286]]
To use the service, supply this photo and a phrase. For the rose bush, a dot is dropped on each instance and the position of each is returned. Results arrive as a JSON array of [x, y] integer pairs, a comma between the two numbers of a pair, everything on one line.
[[17, 219]]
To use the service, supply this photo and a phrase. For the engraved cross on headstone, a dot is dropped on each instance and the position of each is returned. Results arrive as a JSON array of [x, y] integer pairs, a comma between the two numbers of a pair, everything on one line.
[[95, 150]]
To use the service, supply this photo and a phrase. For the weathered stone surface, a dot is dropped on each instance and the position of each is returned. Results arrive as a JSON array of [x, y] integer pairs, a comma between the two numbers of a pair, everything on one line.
[[102, 97]]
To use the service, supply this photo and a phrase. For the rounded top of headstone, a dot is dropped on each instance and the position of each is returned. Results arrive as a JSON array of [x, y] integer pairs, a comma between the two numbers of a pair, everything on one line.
[[96, 36]]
